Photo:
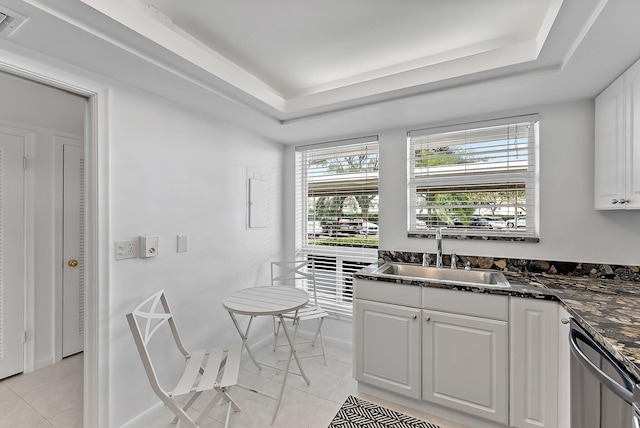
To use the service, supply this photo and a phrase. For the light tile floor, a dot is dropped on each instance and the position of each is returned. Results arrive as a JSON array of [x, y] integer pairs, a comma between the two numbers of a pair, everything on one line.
[[52, 397], [303, 406], [46, 398]]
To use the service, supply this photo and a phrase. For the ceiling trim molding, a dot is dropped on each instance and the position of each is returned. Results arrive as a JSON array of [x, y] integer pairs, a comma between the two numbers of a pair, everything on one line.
[[583, 33], [263, 108], [140, 19], [196, 62], [528, 74]]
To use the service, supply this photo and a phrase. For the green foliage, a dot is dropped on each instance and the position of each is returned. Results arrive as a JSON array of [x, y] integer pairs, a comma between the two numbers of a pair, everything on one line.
[[329, 207], [461, 206], [348, 241], [356, 163], [439, 156]]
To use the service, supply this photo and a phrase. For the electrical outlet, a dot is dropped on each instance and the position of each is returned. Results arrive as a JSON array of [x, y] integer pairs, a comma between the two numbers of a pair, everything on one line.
[[127, 249], [148, 246]]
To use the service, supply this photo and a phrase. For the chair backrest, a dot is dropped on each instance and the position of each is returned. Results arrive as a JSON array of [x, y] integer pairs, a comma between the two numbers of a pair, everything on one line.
[[297, 273], [145, 321]]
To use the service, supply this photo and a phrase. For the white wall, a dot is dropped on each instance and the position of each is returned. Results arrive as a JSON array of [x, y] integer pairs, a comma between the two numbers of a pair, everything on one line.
[[176, 172], [570, 228], [45, 114]]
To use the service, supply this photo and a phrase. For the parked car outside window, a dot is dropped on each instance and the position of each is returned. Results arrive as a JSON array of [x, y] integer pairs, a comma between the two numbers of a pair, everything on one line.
[[369, 228], [520, 222], [487, 222], [343, 225]]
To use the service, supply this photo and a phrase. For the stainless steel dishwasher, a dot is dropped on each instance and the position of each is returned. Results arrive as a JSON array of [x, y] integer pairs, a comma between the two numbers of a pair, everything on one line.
[[602, 392]]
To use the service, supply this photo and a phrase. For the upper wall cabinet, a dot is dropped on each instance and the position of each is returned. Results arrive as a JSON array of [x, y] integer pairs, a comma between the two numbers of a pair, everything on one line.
[[617, 143]]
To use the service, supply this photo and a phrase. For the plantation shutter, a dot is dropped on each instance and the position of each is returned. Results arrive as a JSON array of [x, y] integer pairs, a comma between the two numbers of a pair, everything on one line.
[[474, 180], [336, 203]]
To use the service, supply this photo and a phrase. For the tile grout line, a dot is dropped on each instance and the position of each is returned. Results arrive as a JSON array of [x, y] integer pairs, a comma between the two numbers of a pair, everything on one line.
[[28, 404]]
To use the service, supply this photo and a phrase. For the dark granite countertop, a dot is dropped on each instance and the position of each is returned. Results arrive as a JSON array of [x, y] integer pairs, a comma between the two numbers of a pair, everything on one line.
[[608, 309]]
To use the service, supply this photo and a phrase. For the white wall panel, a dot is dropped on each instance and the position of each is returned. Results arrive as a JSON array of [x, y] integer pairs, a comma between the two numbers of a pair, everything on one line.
[[176, 172]]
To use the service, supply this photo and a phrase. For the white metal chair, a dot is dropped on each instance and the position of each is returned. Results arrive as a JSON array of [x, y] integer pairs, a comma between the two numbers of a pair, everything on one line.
[[300, 274], [216, 369]]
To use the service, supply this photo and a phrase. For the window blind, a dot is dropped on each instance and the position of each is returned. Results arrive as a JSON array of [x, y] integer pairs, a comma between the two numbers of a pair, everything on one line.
[[336, 215], [474, 180]]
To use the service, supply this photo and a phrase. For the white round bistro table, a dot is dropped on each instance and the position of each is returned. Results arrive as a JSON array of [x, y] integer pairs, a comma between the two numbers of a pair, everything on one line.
[[268, 301]]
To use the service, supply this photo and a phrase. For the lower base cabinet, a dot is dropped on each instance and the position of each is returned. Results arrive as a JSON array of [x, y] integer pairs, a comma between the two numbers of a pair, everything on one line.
[[500, 359]]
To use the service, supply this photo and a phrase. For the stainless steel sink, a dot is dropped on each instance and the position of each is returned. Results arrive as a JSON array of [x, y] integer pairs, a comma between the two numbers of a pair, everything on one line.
[[474, 277]]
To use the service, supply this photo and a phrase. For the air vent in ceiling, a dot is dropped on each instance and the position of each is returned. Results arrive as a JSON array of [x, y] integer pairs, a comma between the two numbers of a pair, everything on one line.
[[9, 21]]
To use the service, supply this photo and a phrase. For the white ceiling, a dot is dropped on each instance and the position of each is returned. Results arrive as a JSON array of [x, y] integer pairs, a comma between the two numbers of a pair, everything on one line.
[[302, 70], [304, 47], [296, 55]]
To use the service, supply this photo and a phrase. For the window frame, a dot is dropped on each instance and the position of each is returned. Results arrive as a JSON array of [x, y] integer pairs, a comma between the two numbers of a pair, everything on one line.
[[335, 264], [528, 178]]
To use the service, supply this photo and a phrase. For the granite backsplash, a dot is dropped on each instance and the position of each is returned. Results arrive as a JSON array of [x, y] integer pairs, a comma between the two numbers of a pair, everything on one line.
[[592, 270]]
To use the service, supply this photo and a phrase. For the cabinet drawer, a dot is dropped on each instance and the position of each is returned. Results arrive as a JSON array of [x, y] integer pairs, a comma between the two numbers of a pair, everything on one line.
[[463, 302], [388, 292]]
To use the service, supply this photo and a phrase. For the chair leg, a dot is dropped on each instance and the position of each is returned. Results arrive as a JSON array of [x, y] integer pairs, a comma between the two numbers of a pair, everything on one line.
[[324, 357], [181, 415], [315, 337], [210, 407], [187, 406], [319, 333], [275, 335], [226, 420], [222, 394]]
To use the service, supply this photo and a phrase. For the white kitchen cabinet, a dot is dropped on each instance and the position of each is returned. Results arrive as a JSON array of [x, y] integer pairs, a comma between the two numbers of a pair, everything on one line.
[[387, 346], [534, 352], [617, 143], [487, 360], [465, 363]]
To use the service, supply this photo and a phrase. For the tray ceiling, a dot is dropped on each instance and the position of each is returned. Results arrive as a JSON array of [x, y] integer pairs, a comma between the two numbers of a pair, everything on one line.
[[295, 55]]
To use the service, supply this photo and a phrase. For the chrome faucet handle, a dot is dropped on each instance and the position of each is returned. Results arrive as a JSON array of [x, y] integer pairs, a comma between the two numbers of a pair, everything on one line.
[[454, 259], [425, 259], [467, 265]]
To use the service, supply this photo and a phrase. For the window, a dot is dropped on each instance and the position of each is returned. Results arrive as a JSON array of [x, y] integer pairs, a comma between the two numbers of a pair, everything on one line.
[[337, 215], [474, 179]]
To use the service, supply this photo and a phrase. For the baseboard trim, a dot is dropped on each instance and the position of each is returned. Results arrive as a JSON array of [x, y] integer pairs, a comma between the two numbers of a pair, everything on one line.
[[145, 416]]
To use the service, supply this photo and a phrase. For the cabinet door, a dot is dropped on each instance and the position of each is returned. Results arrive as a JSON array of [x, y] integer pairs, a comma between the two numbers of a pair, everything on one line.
[[534, 354], [465, 364], [632, 91], [610, 147], [387, 348]]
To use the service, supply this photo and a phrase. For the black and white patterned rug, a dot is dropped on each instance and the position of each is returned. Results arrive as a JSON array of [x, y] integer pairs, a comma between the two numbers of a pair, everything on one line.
[[358, 413]]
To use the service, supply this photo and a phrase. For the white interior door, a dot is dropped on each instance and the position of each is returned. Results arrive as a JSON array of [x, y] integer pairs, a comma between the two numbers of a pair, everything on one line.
[[12, 254], [73, 251]]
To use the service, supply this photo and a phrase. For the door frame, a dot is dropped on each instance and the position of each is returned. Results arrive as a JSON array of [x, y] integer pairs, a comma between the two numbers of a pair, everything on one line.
[[96, 342]]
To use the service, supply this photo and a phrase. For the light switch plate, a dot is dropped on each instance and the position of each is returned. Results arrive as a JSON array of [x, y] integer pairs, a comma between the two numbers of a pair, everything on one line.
[[183, 244]]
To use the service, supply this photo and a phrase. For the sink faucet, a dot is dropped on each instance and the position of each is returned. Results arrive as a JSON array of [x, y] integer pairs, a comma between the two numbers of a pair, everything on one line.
[[425, 259], [439, 247]]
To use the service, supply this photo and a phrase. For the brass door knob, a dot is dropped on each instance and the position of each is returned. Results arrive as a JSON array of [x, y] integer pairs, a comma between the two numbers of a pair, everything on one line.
[[72, 263]]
